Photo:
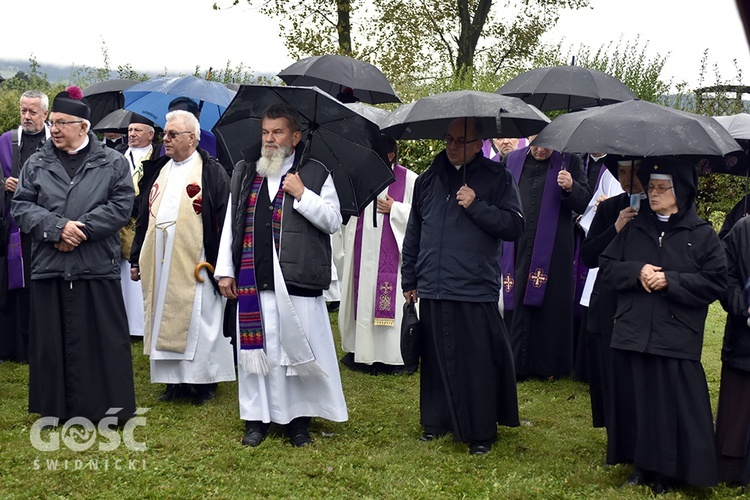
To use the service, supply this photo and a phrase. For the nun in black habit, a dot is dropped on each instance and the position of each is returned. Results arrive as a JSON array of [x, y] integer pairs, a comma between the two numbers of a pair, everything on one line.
[[666, 266]]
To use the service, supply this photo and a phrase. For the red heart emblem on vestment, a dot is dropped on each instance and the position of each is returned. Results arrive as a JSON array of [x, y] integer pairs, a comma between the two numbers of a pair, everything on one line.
[[193, 189], [198, 205]]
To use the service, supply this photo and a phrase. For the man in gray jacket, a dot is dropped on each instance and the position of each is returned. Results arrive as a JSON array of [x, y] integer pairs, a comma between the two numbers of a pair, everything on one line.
[[73, 196]]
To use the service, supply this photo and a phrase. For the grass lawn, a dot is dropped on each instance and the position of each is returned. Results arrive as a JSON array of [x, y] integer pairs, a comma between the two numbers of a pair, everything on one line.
[[195, 452]]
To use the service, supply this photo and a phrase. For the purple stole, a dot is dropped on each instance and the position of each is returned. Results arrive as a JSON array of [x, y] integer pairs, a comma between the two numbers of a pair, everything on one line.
[[385, 296], [248, 303], [14, 255], [544, 239]]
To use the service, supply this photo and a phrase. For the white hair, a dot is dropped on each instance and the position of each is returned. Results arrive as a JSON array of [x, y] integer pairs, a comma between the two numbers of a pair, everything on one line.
[[188, 119], [35, 94]]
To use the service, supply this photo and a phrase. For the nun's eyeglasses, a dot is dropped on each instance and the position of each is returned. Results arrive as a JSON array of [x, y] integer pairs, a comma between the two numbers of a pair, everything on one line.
[[658, 189], [461, 141], [62, 123]]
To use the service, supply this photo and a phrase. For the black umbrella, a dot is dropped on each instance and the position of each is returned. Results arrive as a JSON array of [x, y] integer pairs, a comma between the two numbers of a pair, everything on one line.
[[429, 117], [375, 115], [105, 97], [117, 121], [637, 129], [345, 142], [566, 87], [333, 73]]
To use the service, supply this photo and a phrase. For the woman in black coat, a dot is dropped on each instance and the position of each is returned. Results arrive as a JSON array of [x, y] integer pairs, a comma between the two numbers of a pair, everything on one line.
[[666, 266], [611, 216], [733, 413]]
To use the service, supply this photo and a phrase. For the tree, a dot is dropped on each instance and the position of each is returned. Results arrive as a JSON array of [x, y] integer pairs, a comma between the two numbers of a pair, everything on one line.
[[417, 39]]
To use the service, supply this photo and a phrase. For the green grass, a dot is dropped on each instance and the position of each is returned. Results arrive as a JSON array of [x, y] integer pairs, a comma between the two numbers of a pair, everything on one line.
[[195, 452]]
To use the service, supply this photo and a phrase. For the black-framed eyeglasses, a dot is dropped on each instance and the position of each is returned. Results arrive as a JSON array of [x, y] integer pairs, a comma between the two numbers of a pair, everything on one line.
[[172, 134], [658, 189], [62, 123], [461, 141]]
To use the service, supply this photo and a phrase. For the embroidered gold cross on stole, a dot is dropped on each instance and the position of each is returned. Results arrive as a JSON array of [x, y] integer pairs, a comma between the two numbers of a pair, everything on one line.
[[538, 277]]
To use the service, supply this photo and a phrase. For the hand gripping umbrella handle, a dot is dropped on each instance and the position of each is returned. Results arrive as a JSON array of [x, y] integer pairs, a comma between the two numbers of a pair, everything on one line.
[[198, 268]]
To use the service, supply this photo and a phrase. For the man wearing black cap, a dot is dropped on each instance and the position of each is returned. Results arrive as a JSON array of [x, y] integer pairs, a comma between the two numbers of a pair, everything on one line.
[[140, 149], [73, 196]]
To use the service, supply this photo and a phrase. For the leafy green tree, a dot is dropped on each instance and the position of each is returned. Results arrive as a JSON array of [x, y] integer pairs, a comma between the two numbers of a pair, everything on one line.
[[417, 39]]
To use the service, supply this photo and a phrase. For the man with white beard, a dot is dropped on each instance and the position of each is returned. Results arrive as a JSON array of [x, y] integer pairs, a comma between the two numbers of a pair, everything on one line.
[[275, 259]]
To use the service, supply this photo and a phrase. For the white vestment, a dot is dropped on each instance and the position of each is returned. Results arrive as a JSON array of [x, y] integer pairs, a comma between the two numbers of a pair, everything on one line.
[[608, 186], [278, 397], [132, 293], [208, 356], [368, 342]]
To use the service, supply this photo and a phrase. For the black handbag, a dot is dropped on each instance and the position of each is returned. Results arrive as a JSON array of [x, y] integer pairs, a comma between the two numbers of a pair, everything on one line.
[[410, 333]]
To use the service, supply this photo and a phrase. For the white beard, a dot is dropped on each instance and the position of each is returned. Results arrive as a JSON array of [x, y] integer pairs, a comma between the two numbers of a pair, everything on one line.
[[272, 160]]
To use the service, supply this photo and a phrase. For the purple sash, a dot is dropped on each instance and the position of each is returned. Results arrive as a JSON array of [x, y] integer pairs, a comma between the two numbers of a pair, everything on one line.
[[385, 291], [15, 255], [544, 239]]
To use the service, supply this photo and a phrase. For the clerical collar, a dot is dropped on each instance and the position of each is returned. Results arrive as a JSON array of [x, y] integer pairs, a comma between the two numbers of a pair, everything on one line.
[[34, 135], [597, 157], [139, 150], [186, 160], [663, 218], [79, 148]]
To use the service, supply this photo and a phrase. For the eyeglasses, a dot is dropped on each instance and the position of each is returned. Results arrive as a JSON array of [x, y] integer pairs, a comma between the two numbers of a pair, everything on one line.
[[658, 189], [461, 141], [172, 134], [62, 123]]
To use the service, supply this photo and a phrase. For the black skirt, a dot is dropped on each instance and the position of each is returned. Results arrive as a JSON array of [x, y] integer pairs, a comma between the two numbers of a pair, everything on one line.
[[661, 418], [80, 363], [733, 426], [467, 379]]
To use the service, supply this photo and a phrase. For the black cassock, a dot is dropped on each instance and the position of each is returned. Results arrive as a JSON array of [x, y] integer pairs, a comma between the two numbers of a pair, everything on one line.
[[542, 337], [80, 358]]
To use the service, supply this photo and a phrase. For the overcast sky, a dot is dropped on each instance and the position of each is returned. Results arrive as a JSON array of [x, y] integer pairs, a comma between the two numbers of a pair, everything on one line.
[[180, 34]]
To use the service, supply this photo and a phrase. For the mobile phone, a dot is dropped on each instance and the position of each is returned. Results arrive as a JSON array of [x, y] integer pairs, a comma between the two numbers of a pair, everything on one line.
[[635, 201]]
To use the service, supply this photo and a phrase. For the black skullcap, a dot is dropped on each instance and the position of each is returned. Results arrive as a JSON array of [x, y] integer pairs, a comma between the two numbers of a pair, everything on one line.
[[70, 101], [187, 104], [136, 118]]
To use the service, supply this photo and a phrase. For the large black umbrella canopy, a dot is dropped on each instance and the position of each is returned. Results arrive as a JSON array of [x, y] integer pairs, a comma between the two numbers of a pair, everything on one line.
[[105, 97], [637, 129], [430, 117], [333, 73], [347, 143], [566, 88]]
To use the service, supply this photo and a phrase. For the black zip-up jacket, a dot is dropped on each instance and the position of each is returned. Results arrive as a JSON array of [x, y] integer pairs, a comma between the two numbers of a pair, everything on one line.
[[668, 322], [736, 349], [451, 252]]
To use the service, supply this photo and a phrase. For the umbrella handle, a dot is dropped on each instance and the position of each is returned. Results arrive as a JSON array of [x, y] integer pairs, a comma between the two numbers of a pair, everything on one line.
[[306, 150]]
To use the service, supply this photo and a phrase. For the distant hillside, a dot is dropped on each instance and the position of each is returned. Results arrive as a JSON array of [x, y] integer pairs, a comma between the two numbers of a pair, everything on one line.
[[58, 73]]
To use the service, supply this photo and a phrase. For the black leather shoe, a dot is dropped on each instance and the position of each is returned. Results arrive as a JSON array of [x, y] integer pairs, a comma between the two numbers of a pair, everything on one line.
[[636, 478], [431, 436], [661, 485], [480, 448], [204, 393], [300, 439], [253, 437], [172, 392]]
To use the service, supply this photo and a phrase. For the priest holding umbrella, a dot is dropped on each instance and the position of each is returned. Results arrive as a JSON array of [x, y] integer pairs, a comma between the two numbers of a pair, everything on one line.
[[463, 207]]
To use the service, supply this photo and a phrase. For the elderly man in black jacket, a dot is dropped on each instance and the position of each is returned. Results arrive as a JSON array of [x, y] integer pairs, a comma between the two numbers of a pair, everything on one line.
[[464, 206], [73, 196]]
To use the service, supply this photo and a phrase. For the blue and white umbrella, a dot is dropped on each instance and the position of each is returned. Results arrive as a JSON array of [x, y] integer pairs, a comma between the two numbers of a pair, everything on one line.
[[151, 98]]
